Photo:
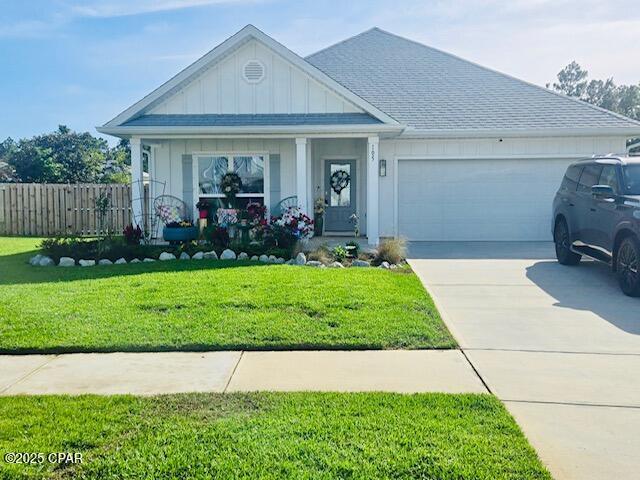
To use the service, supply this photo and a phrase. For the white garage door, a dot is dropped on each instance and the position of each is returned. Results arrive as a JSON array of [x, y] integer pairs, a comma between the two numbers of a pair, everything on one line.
[[504, 200]]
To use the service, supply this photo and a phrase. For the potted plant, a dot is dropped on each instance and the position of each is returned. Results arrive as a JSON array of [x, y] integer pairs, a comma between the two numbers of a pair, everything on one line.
[[203, 208], [318, 216], [179, 232]]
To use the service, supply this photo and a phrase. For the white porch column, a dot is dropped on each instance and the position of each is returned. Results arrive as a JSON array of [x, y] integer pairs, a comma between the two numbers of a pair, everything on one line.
[[137, 186], [372, 191], [301, 174]]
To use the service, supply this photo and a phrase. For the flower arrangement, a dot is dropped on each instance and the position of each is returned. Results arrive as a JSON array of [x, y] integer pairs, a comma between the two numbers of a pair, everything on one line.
[[256, 211], [296, 222], [132, 235], [230, 185], [179, 224]]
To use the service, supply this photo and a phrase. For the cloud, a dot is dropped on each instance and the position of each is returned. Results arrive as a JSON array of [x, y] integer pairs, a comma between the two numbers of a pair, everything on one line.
[[28, 29], [121, 8]]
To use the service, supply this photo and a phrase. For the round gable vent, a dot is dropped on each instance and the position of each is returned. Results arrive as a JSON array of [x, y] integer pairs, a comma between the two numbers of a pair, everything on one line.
[[253, 71]]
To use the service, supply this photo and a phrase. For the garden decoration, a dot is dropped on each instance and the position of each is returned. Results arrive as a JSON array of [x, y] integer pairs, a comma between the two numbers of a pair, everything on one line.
[[173, 213], [227, 216], [203, 209], [318, 215], [170, 209], [355, 220], [230, 186], [339, 180], [180, 232]]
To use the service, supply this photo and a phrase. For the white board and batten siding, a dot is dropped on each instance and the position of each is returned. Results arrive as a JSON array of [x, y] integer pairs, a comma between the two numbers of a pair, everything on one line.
[[222, 89], [477, 189]]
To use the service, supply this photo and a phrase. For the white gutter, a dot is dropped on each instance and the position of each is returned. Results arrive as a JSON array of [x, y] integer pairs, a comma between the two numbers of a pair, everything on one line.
[[521, 132], [244, 130]]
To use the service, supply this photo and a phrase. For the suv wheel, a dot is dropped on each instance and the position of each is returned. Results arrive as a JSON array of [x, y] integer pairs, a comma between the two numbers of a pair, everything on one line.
[[627, 266], [563, 245]]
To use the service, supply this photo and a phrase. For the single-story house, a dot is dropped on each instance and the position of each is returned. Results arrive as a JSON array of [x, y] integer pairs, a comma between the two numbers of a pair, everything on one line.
[[416, 142]]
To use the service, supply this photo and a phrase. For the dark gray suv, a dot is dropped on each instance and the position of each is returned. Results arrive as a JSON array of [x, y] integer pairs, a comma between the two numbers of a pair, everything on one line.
[[596, 212]]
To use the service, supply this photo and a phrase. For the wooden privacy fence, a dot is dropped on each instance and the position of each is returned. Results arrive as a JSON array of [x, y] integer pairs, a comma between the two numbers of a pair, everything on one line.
[[43, 209]]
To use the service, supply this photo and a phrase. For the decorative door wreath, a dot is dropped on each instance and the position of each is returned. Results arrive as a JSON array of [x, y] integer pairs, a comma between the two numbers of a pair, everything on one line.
[[339, 181]]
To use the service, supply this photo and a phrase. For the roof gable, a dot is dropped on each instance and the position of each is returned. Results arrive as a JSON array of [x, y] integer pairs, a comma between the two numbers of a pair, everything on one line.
[[433, 91], [214, 85]]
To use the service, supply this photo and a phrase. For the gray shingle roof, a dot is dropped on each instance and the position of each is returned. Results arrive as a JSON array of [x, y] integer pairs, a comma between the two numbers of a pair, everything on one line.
[[231, 120], [428, 89]]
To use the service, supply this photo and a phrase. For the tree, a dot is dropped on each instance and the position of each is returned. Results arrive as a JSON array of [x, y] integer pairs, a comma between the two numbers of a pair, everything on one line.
[[622, 99], [34, 164], [66, 156], [572, 80]]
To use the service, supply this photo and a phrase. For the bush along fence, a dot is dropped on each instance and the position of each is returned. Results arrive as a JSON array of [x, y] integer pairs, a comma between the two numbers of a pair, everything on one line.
[[45, 209]]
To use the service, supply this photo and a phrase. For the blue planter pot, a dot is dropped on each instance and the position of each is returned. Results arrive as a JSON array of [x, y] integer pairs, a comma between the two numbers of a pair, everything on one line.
[[185, 234]]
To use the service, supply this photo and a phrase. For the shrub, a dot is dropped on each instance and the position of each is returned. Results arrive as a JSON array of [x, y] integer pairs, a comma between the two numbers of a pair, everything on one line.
[[392, 251], [132, 235], [339, 253], [74, 247], [218, 236]]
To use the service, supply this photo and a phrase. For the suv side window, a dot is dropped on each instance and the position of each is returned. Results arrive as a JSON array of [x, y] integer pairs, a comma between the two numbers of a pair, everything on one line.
[[589, 178], [609, 176], [570, 181]]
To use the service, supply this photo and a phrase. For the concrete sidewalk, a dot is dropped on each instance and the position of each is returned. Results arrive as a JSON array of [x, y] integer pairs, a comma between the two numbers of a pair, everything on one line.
[[406, 371]]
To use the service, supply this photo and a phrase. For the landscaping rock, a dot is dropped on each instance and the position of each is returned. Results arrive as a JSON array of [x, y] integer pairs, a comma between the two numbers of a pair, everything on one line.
[[86, 263], [46, 261], [301, 259], [314, 263], [263, 258], [272, 259], [393, 266], [165, 256], [185, 256], [290, 262], [135, 260], [148, 260], [243, 256], [198, 256], [212, 255], [336, 265], [228, 255], [105, 261], [254, 258], [279, 260], [66, 262], [384, 265], [360, 263], [122, 261], [35, 260]]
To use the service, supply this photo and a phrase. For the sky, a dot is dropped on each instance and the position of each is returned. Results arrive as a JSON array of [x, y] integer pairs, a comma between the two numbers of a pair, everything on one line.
[[80, 63]]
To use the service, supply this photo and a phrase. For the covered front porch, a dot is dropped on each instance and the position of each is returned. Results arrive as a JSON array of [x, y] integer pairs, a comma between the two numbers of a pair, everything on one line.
[[339, 171]]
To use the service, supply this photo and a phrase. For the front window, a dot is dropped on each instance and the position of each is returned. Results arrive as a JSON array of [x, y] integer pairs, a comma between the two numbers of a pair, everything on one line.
[[212, 168], [631, 174]]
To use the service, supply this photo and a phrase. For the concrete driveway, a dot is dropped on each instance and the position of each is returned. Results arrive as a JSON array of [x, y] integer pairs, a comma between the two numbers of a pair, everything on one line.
[[559, 345]]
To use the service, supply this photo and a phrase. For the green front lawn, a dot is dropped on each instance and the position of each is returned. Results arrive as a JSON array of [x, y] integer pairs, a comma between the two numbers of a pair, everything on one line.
[[269, 435], [209, 305]]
